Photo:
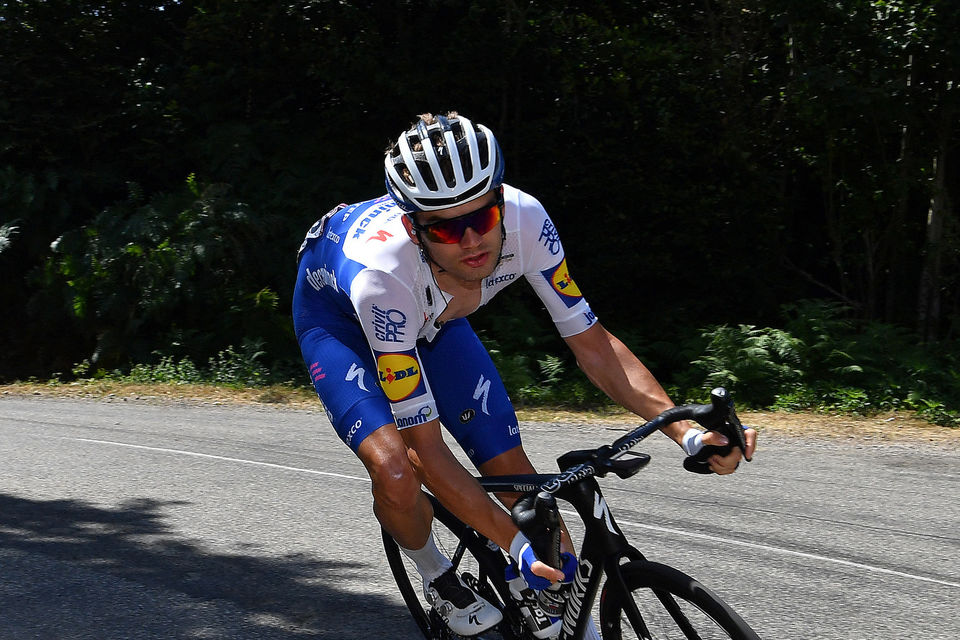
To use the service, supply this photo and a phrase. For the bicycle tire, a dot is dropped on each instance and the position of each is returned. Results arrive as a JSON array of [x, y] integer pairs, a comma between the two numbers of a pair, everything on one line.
[[479, 565], [670, 605]]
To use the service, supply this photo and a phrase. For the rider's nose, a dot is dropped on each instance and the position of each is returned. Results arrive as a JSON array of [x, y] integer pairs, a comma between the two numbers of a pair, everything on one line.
[[470, 238]]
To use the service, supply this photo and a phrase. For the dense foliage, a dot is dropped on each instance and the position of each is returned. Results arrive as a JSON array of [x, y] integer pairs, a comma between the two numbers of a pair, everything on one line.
[[710, 165]]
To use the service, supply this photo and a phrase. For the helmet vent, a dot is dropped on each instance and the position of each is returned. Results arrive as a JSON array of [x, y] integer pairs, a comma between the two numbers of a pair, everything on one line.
[[442, 161], [423, 167]]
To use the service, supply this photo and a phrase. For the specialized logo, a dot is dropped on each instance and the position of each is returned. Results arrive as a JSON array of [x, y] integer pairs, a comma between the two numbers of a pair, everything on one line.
[[356, 372], [550, 238], [399, 375], [321, 278], [421, 417], [563, 284], [575, 598], [381, 236], [467, 415], [388, 324], [482, 392], [602, 512]]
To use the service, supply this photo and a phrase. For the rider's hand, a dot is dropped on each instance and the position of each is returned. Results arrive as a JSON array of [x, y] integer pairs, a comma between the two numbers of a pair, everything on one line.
[[723, 465], [539, 575]]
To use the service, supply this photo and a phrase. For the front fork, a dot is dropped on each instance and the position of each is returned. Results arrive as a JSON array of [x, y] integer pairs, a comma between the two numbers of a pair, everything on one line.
[[604, 547]]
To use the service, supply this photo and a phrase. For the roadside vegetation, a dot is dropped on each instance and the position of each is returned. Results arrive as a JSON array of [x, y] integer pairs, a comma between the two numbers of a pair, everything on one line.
[[711, 167], [819, 361]]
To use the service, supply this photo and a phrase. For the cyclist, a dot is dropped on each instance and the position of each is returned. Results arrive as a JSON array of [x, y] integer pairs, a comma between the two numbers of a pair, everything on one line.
[[382, 294]]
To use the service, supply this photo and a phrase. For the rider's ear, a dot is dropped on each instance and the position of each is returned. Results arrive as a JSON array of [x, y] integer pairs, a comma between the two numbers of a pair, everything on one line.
[[408, 225]]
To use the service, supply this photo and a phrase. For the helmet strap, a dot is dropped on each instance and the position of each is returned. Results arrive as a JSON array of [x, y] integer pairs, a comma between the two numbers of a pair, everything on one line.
[[425, 253], [503, 241]]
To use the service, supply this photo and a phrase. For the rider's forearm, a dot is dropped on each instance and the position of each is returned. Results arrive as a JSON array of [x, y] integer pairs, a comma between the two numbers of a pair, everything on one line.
[[456, 488], [616, 371]]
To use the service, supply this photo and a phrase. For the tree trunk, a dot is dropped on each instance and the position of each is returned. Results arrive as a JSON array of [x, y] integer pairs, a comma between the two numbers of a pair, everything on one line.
[[929, 302]]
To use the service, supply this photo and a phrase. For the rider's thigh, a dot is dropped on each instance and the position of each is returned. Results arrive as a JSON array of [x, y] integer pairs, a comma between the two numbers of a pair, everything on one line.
[[509, 462], [344, 375], [471, 399], [512, 461]]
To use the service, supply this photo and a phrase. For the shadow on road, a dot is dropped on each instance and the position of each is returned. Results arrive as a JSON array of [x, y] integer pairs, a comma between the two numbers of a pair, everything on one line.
[[100, 559]]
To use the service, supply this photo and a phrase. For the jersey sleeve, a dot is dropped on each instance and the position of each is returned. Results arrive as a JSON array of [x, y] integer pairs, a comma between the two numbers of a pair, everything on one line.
[[545, 268], [388, 314]]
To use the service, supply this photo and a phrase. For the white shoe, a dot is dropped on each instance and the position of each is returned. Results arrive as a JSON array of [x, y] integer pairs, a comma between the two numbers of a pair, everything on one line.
[[465, 612]]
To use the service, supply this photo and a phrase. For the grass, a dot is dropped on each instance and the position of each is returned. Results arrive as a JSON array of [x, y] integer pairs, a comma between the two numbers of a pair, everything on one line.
[[894, 426]]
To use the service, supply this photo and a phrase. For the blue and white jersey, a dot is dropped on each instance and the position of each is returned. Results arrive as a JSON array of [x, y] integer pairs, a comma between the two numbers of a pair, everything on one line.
[[360, 262]]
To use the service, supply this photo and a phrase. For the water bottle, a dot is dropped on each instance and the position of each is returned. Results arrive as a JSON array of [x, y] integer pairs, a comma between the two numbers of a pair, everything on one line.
[[553, 599], [540, 624]]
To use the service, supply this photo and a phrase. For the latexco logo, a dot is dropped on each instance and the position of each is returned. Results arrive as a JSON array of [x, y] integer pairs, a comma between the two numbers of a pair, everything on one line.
[[506, 277], [353, 431]]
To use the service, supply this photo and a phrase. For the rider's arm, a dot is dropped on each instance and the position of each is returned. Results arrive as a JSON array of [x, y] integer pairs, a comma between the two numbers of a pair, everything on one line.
[[456, 489], [616, 371], [613, 368]]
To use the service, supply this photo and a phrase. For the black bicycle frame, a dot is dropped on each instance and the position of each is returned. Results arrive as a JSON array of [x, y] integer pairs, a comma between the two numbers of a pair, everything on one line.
[[603, 547]]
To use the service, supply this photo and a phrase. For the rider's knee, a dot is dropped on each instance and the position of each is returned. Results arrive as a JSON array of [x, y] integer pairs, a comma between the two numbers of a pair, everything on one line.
[[395, 483]]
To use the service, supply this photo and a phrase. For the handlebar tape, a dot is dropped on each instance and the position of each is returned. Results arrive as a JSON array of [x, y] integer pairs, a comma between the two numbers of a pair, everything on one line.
[[537, 516]]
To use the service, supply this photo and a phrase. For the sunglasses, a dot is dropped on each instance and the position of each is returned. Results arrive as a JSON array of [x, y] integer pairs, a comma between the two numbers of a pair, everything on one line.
[[451, 231]]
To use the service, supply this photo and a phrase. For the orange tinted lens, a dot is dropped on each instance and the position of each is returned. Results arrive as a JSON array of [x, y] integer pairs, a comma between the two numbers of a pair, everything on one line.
[[486, 218], [451, 231]]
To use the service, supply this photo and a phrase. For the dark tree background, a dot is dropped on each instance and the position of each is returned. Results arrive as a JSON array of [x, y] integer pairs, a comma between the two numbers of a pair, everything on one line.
[[706, 162]]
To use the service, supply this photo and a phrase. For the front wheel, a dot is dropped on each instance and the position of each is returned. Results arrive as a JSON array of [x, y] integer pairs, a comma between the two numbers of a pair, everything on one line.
[[665, 604]]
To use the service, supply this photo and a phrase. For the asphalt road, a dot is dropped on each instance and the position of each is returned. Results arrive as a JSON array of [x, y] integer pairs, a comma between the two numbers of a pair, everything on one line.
[[144, 521]]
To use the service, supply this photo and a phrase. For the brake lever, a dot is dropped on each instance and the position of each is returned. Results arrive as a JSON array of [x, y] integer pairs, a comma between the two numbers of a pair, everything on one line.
[[718, 416]]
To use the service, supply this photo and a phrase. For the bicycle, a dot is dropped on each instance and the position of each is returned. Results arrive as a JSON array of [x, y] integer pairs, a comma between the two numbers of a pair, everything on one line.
[[640, 599]]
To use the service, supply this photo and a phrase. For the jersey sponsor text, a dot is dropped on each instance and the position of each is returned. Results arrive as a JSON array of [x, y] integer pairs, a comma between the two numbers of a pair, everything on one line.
[[399, 375], [420, 417], [388, 324], [321, 278]]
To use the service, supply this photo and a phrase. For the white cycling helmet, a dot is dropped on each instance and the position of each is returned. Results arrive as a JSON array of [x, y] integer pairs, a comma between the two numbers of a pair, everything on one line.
[[422, 174]]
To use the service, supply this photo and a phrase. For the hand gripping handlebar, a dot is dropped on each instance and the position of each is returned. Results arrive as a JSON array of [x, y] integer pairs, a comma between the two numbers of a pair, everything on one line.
[[536, 513], [718, 416], [537, 516]]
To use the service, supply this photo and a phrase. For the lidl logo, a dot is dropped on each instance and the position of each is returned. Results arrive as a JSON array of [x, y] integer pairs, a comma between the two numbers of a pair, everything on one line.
[[399, 375], [563, 284]]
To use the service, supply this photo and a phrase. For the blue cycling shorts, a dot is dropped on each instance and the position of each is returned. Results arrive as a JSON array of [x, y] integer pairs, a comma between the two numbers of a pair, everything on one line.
[[471, 399]]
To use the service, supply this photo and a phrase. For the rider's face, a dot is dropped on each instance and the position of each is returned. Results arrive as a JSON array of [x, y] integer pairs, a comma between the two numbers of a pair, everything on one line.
[[474, 256]]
